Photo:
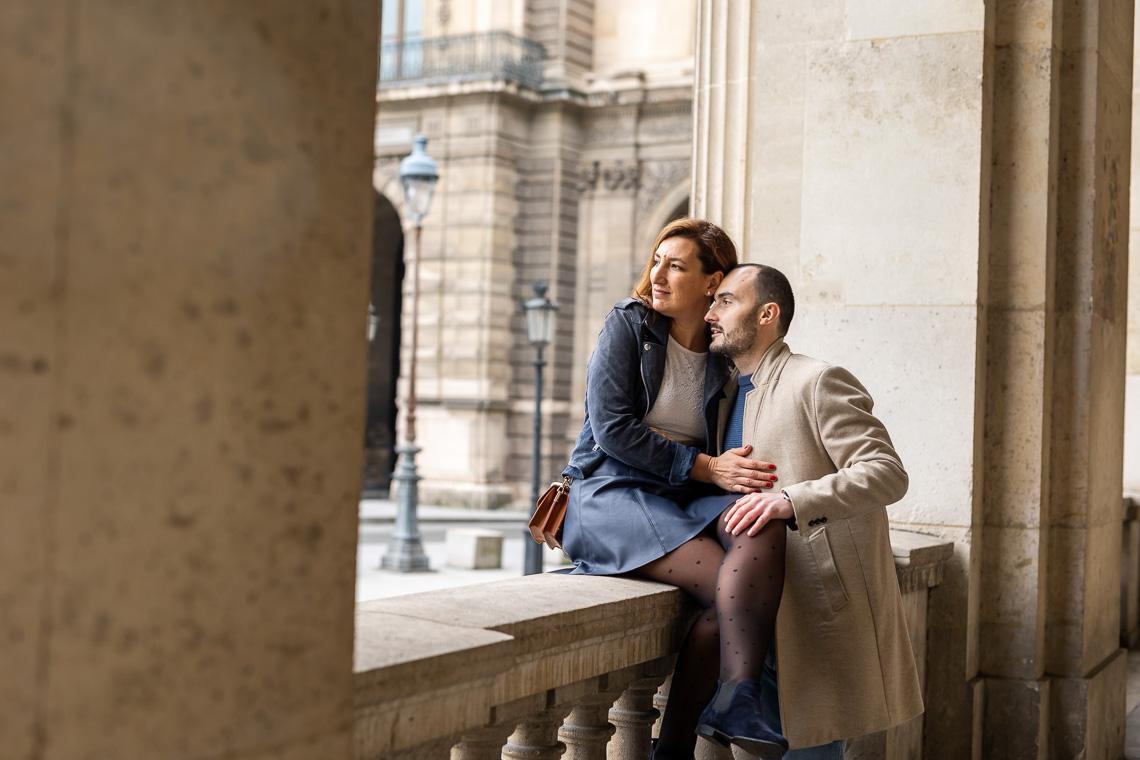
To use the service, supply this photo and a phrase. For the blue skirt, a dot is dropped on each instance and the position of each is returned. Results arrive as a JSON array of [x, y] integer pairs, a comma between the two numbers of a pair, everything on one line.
[[621, 518]]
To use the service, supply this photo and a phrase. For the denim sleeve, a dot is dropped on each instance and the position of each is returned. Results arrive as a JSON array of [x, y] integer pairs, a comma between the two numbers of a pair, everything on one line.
[[612, 382]]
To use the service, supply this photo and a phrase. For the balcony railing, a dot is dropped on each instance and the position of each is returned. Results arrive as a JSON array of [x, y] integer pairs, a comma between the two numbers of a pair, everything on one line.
[[487, 55], [551, 666]]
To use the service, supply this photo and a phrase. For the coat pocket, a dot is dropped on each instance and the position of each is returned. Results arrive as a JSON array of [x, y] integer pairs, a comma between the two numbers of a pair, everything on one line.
[[828, 572]]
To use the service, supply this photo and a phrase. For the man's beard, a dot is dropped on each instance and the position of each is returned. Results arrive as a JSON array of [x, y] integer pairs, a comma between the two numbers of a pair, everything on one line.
[[741, 340]]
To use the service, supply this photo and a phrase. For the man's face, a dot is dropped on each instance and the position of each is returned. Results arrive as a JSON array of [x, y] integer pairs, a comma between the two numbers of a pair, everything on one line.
[[733, 316]]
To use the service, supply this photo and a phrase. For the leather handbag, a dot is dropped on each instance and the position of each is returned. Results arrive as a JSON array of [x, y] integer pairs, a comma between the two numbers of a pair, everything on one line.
[[549, 513]]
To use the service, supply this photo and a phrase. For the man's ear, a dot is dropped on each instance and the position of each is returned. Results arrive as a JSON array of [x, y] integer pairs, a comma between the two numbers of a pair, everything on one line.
[[770, 313]]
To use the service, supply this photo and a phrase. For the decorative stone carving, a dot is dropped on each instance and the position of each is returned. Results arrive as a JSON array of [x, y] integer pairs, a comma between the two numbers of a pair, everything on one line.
[[614, 176], [658, 178]]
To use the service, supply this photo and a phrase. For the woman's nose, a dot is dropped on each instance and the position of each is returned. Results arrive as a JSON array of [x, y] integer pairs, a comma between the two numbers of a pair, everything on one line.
[[656, 274]]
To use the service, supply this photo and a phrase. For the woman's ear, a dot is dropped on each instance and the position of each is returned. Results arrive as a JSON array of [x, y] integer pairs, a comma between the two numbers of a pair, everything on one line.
[[714, 282]]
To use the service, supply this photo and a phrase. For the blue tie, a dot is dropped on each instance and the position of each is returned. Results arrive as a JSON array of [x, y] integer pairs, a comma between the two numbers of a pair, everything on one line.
[[734, 431]]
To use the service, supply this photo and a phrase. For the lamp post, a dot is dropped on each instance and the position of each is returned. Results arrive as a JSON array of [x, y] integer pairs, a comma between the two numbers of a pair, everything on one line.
[[418, 175], [539, 331]]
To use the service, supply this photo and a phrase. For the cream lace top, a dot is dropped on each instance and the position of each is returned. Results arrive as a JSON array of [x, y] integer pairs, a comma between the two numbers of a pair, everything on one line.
[[678, 413]]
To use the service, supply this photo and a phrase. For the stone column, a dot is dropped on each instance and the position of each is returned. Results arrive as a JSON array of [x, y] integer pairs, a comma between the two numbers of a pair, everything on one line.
[[183, 289], [986, 218], [633, 715]]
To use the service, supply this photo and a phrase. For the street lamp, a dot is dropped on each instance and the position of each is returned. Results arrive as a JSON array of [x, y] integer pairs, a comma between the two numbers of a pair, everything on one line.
[[418, 175], [539, 331]]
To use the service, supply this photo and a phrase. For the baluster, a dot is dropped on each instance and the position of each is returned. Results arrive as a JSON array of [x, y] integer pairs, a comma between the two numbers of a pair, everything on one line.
[[536, 737], [587, 729], [660, 700], [633, 715], [482, 744]]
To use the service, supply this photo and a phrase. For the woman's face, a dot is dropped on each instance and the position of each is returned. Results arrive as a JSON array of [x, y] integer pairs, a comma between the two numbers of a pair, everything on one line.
[[679, 287]]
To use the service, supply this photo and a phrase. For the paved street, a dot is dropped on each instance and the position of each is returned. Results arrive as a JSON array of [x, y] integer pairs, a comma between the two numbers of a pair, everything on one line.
[[377, 522]]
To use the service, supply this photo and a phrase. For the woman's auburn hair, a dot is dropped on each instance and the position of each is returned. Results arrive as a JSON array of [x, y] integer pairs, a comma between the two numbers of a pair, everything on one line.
[[715, 250]]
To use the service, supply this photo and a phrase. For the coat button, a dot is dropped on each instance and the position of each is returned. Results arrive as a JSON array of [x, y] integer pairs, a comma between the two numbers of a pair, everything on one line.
[[646, 346], [823, 519]]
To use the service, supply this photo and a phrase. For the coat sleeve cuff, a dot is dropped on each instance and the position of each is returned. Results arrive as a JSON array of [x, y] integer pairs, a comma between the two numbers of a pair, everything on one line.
[[683, 460], [807, 514]]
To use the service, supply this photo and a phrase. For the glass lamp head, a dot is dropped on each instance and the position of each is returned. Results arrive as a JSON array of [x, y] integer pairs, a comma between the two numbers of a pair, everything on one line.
[[540, 317], [418, 175]]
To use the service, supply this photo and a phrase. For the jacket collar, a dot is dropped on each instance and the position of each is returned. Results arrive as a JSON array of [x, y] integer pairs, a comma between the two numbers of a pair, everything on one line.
[[655, 327], [771, 363]]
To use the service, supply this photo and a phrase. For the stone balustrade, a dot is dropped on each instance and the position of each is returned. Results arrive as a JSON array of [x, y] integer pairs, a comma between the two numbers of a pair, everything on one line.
[[555, 666]]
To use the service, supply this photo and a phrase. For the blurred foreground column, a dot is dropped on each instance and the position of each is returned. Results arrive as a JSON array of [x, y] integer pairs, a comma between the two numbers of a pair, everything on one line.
[[946, 185], [186, 211]]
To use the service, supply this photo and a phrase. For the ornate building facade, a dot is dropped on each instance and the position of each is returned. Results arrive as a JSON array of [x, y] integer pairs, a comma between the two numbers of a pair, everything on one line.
[[563, 133]]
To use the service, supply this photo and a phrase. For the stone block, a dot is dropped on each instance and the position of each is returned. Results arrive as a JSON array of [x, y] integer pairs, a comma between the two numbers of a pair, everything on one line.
[[1012, 631], [474, 548], [1016, 722], [1088, 713]]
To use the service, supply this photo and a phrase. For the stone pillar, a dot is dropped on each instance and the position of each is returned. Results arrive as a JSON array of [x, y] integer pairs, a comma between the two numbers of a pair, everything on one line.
[[633, 715], [587, 729], [183, 292], [1132, 387], [536, 737], [986, 218]]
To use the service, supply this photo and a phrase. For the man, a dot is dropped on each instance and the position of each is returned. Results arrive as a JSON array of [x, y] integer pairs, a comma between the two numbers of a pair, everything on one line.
[[842, 651]]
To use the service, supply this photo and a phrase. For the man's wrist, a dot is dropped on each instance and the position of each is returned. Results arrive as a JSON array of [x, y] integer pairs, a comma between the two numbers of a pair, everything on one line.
[[791, 520]]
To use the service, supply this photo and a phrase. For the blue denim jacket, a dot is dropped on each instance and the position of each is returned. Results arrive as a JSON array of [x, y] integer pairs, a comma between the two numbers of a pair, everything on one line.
[[622, 381]]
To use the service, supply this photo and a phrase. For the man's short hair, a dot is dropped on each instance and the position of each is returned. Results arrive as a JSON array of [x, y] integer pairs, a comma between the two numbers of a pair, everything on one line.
[[773, 287]]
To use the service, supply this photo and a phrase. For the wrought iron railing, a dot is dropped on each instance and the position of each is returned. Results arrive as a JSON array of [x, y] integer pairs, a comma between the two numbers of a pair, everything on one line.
[[487, 55]]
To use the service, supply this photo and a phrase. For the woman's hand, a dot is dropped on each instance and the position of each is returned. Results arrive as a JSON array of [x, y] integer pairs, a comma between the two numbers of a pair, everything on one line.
[[752, 512], [733, 471]]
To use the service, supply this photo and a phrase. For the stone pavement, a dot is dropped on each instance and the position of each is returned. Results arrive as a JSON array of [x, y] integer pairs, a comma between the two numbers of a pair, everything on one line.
[[377, 521]]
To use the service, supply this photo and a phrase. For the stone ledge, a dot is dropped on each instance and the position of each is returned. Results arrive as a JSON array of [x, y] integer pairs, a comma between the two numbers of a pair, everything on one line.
[[432, 666], [920, 559]]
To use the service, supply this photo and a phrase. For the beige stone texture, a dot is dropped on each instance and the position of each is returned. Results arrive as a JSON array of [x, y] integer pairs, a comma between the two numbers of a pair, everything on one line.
[[1017, 719], [925, 204], [182, 271], [1089, 713], [1011, 628]]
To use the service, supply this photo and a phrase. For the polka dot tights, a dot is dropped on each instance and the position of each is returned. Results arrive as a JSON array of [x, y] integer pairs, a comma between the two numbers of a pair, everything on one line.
[[736, 581]]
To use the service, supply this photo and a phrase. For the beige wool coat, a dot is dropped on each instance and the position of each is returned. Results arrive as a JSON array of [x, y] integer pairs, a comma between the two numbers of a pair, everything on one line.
[[844, 661]]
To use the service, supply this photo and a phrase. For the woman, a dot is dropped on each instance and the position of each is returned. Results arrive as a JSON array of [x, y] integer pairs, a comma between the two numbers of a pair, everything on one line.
[[648, 496]]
